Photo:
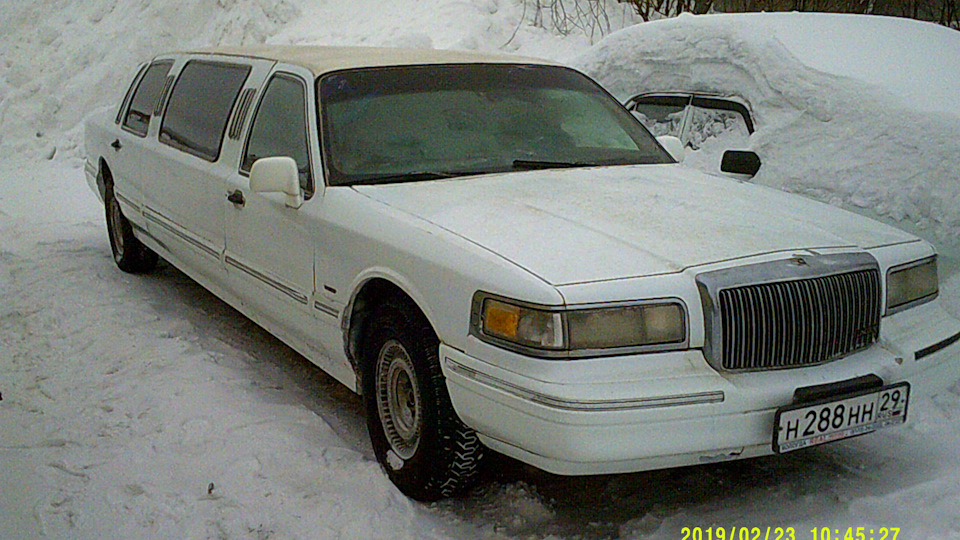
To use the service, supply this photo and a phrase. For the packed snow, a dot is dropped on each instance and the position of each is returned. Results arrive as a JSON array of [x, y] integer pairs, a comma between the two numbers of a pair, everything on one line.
[[143, 407], [861, 112]]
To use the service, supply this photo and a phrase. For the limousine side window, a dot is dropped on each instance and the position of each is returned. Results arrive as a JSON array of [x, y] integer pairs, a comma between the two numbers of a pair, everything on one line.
[[280, 127], [145, 97], [199, 107]]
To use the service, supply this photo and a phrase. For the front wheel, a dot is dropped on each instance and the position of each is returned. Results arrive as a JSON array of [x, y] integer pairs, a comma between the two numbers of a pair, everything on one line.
[[419, 440], [129, 253]]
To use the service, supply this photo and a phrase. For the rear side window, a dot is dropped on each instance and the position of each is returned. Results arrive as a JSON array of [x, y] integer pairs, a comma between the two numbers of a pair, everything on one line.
[[145, 98], [199, 107]]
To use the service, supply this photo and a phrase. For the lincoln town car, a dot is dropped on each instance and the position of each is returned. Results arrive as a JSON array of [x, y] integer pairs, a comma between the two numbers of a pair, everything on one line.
[[497, 255]]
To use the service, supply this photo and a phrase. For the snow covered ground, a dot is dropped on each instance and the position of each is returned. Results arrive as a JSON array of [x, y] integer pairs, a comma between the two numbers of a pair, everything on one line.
[[143, 407]]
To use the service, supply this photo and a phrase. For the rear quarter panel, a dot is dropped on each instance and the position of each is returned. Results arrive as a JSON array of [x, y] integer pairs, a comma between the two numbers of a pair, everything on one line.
[[99, 127]]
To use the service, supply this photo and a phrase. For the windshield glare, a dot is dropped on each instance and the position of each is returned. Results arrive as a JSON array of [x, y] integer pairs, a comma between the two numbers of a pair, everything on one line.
[[411, 123]]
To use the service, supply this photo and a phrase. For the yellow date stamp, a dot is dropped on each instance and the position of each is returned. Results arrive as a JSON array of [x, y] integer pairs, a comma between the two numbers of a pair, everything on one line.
[[788, 533], [738, 533]]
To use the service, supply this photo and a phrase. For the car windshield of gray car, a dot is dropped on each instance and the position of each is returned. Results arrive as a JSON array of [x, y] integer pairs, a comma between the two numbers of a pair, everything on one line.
[[416, 123]]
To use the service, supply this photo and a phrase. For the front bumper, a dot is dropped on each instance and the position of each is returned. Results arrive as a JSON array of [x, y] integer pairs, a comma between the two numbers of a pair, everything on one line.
[[641, 412]]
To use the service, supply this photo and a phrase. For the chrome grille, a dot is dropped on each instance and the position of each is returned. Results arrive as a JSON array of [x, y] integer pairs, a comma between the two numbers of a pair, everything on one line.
[[798, 322]]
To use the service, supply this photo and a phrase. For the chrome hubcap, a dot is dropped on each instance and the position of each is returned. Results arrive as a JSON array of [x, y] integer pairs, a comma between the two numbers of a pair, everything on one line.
[[398, 399]]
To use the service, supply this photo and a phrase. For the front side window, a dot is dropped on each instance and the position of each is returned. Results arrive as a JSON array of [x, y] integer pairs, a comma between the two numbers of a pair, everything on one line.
[[137, 117], [280, 127], [662, 115], [199, 107], [726, 121], [695, 120], [408, 123]]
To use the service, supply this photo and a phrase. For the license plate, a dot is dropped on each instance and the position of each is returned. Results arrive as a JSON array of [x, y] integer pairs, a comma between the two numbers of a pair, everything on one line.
[[809, 424]]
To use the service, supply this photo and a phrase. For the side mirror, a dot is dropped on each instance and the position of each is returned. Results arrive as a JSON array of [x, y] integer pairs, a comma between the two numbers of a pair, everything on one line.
[[673, 146], [277, 175], [740, 162]]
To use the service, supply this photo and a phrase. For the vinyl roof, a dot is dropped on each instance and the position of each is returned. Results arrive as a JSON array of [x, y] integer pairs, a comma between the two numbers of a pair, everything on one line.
[[320, 59]]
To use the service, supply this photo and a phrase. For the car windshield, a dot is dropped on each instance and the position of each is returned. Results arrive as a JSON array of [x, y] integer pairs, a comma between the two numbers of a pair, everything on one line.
[[411, 123]]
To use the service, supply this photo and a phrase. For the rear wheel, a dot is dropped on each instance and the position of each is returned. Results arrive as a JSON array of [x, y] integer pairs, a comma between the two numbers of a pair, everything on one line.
[[419, 440], [129, 253]]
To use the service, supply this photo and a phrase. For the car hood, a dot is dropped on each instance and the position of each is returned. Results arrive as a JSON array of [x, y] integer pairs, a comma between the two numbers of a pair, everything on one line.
[[572, 226]]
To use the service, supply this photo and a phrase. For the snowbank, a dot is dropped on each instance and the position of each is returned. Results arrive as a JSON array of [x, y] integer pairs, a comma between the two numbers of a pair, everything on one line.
[[143, 407], [860, 112], [61, 59]]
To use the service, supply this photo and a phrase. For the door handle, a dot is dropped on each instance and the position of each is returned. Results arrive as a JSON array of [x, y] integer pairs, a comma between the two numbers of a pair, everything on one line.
[[236, 197], [116, 145]]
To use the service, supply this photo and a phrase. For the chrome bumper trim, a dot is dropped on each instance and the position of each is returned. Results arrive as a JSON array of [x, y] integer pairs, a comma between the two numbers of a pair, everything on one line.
[[599, 405], [936, 347]]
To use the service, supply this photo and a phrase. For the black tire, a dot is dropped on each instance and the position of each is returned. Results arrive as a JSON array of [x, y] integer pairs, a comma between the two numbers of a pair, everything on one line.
[[421, 443], [129, 253]]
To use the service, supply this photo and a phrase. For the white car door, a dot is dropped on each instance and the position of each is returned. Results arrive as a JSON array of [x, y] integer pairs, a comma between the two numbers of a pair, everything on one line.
[[269, 251], [185, 214], [134, 139]]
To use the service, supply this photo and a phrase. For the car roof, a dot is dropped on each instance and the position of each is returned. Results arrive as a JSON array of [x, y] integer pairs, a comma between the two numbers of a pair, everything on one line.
[[322, 59]]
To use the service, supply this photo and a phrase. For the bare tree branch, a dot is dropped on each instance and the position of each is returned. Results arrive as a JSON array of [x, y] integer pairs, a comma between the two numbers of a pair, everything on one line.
[[944, 12]]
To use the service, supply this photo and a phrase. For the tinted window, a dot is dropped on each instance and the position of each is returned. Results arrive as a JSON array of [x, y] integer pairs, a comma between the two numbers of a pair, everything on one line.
[[280, 127], [145, 98], [200, 105]]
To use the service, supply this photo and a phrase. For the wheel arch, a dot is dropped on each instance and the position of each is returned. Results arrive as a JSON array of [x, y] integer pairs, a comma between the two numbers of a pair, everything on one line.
[[368, 295], [417, 437], [104, 178]]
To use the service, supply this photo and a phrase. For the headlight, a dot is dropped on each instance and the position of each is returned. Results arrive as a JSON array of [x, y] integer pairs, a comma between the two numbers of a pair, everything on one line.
[[911, 283], [557, 332], [525, 326], [633, 326]]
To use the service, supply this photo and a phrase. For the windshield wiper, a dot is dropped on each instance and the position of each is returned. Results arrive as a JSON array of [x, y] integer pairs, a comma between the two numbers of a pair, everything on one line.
[[531, 164], [423, 176], [417, 176]]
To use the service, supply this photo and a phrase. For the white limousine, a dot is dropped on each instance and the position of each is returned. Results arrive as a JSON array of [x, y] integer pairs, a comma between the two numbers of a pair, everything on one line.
[[497, 255]]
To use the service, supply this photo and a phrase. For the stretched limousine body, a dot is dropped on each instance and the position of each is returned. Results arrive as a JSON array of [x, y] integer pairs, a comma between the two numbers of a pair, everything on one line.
[[496, 254]]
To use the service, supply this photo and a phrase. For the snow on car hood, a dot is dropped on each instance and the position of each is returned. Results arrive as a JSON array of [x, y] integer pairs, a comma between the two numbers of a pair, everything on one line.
[[578, 225]]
